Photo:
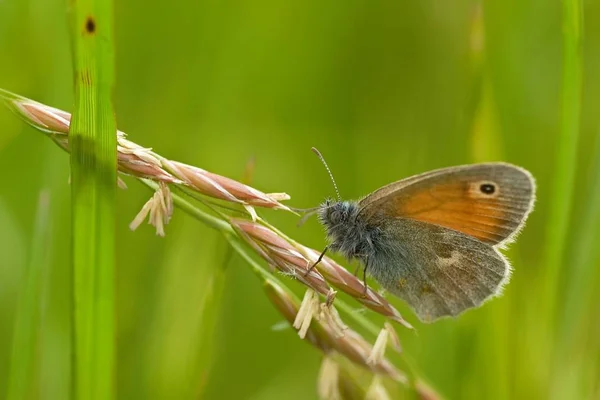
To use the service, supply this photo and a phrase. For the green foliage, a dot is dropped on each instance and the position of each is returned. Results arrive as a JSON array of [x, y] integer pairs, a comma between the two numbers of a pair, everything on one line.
[[25, 336], [384, 90]]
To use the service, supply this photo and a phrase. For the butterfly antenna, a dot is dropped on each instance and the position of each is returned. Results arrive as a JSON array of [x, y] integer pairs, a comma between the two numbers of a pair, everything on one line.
[[318, 153]]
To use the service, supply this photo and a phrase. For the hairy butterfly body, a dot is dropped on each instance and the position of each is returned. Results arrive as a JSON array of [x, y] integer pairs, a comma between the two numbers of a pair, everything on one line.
[[433, 239]]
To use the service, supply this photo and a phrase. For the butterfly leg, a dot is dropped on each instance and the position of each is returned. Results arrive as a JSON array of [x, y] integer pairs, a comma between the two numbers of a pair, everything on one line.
[[318, 261], [365, 265], [365, 278]]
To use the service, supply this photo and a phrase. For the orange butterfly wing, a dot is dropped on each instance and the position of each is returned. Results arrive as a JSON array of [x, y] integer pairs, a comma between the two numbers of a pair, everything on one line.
[[487, 201]]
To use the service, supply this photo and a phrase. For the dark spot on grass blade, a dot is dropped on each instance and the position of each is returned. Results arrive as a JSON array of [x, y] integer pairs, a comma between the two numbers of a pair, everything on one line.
[[86, 77], [90, 25]]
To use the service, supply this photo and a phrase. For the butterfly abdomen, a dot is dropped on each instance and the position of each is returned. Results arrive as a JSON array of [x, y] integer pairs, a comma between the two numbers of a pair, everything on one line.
[[348, 233]]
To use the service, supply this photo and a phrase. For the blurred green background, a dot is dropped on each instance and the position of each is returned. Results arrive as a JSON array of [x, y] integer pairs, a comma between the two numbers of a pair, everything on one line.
[[384, 89]]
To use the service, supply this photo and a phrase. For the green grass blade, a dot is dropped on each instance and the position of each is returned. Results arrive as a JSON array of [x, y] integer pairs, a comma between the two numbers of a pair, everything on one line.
[[566, 157], [583, 268], [210, 304], [575, 324], [93, 173], [22, 380], [561, 199]]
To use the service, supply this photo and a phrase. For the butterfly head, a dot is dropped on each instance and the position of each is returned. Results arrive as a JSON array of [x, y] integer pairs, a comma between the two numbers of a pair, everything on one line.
[[345, 231], [333, 213]]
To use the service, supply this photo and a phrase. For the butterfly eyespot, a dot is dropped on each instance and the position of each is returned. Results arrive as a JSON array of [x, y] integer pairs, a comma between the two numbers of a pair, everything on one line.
[[487, 188], [483, 189]]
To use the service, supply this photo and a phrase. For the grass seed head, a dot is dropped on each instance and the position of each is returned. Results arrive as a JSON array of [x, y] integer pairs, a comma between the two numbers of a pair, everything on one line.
[[280, 253], [224, 188]]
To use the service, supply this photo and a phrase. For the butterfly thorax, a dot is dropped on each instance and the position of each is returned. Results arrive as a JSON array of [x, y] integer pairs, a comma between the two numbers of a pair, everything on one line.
[[347, 232]]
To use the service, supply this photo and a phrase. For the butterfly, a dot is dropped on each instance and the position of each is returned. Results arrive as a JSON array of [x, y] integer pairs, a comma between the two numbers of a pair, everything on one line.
[[433, 239]]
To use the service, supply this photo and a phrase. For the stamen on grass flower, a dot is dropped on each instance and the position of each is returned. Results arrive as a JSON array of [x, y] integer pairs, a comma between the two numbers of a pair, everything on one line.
[[377, 391], [251, 211], [330, 297], [121, 183], [386, 336], [330, 316], [394, 340], [357, 349], [159, 208], [288, 307], [278, 196], [328, 381], [308, 309], [378, 350], [352, 346]]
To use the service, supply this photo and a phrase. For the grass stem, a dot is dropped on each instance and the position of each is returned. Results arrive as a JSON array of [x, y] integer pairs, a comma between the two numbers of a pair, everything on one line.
[[92, 138]]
